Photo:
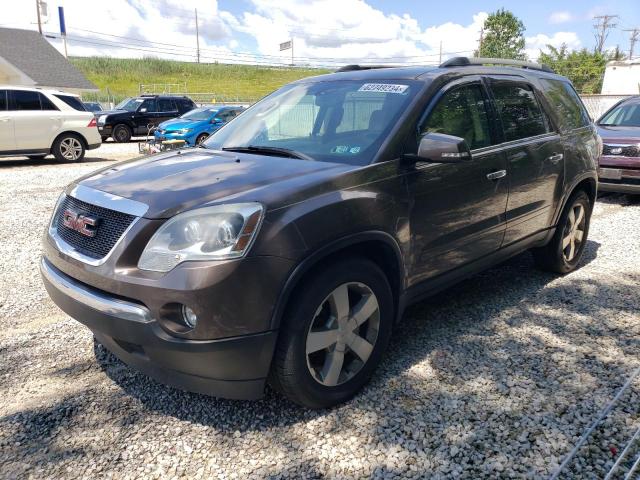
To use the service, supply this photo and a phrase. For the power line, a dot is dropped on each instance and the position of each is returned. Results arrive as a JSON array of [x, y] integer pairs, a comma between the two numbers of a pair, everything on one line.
[[602, 27]]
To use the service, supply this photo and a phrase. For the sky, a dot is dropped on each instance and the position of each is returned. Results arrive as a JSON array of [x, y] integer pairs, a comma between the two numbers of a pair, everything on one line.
[[324, 32]]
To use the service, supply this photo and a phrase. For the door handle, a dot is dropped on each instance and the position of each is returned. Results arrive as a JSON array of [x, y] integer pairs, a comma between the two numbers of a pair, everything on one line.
[[555, 158], [497, 175]]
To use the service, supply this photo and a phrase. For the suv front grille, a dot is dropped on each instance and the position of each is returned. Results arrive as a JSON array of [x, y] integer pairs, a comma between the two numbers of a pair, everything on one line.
[[626, 150], [111, 226]]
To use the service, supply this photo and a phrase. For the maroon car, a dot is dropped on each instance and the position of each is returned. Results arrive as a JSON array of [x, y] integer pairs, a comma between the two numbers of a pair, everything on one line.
[[619, 127]]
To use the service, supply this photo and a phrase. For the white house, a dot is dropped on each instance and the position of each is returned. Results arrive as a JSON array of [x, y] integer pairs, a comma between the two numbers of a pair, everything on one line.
[[27, 58], [622, 78]]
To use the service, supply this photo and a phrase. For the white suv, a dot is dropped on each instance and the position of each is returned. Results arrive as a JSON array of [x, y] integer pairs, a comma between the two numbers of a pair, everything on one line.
[[35, 123]]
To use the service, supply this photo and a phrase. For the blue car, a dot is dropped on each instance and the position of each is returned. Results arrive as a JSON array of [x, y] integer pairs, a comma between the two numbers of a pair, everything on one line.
[[196, 125]]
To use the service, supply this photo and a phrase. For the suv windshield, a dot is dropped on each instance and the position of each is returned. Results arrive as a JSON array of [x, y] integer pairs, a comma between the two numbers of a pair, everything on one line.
[[340, 121], [130, 104], [627, 115], [199, 114]]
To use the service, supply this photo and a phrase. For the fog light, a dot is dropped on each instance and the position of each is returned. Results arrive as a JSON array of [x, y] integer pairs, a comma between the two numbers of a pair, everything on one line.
[[189, 317]]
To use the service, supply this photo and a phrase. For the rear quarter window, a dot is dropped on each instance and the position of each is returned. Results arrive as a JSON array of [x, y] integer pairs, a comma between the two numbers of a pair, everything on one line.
[[73, 102], [570, 110]]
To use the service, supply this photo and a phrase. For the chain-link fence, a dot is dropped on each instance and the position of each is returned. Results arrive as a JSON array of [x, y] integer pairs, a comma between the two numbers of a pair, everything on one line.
[[598, 104]]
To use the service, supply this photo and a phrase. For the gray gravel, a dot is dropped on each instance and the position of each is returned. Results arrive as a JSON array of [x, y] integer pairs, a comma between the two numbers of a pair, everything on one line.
[[496, 377]]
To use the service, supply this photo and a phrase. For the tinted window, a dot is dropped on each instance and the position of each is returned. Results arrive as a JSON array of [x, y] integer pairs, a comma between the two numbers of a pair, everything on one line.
[[462, 112], [3, 99], [46, 104], [521, 114], [185, 105], [625, 115], [570, 109], [149, 104], [73, 102], [165, 105], [26, 100]]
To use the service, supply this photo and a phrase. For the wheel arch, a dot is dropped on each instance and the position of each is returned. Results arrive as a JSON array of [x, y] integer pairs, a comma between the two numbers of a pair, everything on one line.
[[588, 183], [377, 246], [67, 132]]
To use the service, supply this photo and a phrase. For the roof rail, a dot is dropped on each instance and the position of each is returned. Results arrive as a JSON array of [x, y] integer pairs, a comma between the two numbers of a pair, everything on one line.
[[465, 61], [351, 68]]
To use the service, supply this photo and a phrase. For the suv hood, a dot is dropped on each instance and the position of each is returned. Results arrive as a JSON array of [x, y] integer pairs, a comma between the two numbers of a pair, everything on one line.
[[111, 112], [173, 182], [619, 134]]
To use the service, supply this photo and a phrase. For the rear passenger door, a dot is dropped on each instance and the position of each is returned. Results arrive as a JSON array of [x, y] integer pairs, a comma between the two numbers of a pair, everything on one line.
[[7, 137], [534, 154], [36, 119]]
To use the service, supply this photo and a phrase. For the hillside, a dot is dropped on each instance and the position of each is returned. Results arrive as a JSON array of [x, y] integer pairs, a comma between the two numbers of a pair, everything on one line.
[[121, 77]]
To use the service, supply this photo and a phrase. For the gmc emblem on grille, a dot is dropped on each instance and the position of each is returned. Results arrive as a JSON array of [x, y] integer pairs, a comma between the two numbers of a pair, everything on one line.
[[84, 224]]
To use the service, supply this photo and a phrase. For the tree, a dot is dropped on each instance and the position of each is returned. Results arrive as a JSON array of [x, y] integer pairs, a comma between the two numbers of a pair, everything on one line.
[[502, 36], [584, 68]]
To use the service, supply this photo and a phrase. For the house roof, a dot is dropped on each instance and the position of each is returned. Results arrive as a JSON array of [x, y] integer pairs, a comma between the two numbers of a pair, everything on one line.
[[32, 54]]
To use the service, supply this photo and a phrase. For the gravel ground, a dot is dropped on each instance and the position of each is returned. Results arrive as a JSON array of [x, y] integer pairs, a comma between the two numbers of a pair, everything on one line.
[[496, 377]]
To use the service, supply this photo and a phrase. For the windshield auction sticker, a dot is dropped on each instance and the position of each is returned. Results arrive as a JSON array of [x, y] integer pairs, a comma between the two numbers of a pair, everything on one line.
[[383, 88]]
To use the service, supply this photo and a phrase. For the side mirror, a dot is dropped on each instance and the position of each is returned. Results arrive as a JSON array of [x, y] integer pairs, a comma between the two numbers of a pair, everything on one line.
[[216, 121], [441, 148]]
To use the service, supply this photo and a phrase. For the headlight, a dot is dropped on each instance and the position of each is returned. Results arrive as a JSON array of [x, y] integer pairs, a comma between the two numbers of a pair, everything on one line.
[[211, 233], [183, 130], [102, 119]]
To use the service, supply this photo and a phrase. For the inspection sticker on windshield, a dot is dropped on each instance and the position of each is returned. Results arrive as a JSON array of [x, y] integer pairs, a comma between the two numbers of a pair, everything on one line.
[[383, 88]]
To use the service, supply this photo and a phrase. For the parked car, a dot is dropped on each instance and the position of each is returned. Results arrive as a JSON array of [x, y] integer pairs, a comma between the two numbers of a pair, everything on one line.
[[93, 107], [619, 128], [134, 116], [36, 122], [196, 125], [289, 245]]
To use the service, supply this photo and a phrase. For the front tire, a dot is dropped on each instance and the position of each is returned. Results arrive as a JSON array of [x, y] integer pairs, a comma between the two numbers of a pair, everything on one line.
[[68, 147], [121, 133], [201, 138], [334, 334], [563, 253]]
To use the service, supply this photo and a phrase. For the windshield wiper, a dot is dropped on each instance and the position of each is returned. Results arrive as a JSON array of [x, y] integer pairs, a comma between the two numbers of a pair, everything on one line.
[[279, 151]]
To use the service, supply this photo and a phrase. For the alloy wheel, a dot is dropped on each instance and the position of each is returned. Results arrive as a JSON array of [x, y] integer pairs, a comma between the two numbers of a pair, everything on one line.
[[573, 234], [71, 148], [343, 334]]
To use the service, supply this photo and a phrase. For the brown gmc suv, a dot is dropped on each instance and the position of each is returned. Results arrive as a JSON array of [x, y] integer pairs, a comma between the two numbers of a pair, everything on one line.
[[288, 245]]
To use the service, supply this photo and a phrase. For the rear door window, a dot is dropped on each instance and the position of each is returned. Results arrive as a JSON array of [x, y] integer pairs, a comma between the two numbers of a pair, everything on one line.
[[25, 100], [73, 102], [462, 112], [166, 105], [521, 114], [47, 104], [571, 111]]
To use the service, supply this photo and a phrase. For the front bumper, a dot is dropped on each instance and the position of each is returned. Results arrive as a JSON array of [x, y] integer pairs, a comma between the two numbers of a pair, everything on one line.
[[234, 367], [187, 137], [614, 178]]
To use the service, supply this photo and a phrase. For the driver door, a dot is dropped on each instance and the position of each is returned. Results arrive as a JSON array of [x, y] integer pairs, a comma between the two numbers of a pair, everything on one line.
[[144, 116], [458, 209]]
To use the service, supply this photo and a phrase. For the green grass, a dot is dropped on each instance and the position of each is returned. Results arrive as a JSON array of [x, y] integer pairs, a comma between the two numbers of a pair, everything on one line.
[[121, 77]]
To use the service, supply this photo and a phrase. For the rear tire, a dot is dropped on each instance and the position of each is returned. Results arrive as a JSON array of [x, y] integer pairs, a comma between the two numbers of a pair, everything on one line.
[[563, 253], [121, 133], [68, 147], [334, 334]]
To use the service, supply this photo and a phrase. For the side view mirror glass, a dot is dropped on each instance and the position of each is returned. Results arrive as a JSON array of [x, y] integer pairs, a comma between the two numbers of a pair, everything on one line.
[[216, 120], [442, 148]]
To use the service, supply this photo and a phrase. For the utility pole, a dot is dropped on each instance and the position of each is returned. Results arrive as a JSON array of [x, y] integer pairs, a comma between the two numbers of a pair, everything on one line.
[[480, 42], [197, 37], [635, 32], [440, 52], [39, 19], [602, 27], [292, 63]]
